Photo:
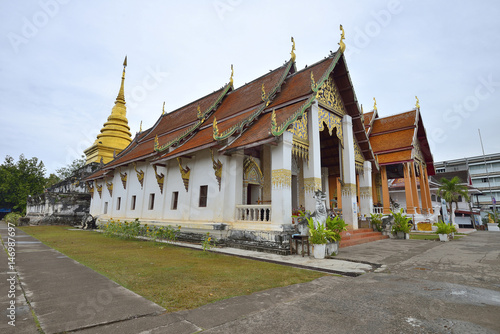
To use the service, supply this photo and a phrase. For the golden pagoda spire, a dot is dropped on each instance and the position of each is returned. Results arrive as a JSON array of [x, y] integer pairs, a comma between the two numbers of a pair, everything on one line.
[[121, 95], [115, 134]]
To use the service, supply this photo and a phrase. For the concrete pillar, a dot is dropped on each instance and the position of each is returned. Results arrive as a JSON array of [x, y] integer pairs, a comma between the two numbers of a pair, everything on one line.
[[429, 201], [325, 185], [414, 189], [339, 193], [312, 170], [385, 190], [423, 190], [232, 179], [410, 204], [349, 201], [374, 189], [281, 194], [365, 190]]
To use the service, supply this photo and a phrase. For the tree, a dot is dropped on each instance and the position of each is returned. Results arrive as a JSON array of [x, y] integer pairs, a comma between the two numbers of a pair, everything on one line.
[[18, 180], [51, 180], [450, 190], [66, 172]]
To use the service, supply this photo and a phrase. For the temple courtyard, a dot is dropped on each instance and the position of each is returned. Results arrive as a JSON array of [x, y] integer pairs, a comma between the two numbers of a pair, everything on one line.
[[409, 286]]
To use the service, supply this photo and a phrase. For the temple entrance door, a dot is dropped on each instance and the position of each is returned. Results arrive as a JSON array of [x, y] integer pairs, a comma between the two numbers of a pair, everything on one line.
[[253, 193], [330, 164]]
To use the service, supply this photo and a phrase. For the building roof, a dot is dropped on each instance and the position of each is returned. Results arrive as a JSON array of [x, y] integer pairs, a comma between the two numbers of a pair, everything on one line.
[[260, 111], [400, 138]]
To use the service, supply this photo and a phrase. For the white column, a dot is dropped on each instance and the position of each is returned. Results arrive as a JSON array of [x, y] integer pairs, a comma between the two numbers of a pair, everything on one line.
[[281, 179], [349, 203], [232, 185], [312, 169], [365, 190], [325, 185]]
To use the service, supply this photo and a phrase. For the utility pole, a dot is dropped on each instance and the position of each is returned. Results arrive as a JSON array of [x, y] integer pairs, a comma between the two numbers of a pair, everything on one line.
[[488, 175]]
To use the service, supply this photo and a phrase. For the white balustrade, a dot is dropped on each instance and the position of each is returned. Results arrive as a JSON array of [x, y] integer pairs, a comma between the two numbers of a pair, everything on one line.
[[378, 210], [254, 213]]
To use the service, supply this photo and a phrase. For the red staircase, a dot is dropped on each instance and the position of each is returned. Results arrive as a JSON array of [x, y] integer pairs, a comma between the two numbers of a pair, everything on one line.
[[360, 236]]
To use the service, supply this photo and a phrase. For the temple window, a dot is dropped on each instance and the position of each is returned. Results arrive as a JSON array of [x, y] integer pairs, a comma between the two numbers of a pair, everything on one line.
[[203, 196], [175, 199], [151, 205], [132, 204]]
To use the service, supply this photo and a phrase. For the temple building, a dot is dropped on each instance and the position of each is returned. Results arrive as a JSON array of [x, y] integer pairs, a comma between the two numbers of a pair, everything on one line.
[[115, 134], [242, 160], [400, 145]]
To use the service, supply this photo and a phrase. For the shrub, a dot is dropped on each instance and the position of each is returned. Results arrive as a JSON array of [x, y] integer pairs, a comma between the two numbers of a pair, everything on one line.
[[401, 222], [12, 218], [207, 242], [129, 230], [335, 226], [318, 235], [443, 228], [376, 219]]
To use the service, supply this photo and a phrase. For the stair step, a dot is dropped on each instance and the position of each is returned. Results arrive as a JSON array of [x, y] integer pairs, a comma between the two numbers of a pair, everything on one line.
[[357, 241]]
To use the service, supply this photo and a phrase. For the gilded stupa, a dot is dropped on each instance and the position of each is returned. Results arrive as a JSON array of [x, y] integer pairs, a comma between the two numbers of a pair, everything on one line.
[[115, 134]]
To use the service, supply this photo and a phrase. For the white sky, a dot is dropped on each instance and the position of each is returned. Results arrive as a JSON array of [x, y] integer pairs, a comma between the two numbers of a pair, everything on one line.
[[61, 63]]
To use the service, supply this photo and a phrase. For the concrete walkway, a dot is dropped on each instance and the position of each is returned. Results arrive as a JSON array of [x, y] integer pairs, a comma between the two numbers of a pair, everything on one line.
[[408, 286]]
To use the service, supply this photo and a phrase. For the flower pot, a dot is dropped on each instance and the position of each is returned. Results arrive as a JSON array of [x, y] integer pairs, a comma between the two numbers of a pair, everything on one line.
[[493, 227], [319, 251], [332, 248], [400, 235], [443, 237]]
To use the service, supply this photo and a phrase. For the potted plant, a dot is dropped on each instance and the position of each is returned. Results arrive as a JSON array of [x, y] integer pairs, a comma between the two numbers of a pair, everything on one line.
[[334, 226], [318, 238], [401, 226], [493, 221], [302, 217], [443, 230], [376, 221]]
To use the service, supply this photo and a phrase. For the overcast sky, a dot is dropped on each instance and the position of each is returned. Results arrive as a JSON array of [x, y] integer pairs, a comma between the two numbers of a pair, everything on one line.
[[61, 63]]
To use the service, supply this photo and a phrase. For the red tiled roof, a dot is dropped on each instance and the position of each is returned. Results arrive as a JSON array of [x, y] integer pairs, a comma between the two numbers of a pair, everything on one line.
[[183, 116], [392, 141], [395, 122], [394, 157]]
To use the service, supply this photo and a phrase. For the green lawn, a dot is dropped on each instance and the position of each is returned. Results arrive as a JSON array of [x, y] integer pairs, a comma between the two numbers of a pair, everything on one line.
[[176, 278], [430, 236]]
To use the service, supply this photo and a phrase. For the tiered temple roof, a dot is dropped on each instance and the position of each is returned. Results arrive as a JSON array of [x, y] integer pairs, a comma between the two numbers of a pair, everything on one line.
[[258, 112], [399, 138]]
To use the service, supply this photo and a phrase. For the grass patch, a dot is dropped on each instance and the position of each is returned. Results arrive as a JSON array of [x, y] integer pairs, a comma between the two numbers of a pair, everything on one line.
[[176, 278], [430, 236]]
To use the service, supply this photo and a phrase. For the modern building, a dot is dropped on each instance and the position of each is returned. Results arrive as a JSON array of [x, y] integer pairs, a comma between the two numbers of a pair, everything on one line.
[[484, 174]]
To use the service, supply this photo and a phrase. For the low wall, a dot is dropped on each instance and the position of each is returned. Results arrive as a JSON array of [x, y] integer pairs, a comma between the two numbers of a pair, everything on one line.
[[57, 208]]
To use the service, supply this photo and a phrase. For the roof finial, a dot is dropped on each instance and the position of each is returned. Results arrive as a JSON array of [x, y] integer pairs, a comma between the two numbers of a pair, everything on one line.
[[374, 104], [140, 127], [163, 109], [199, 113], [231, 78], [121, 94], [215, 129], [361, 109], [417, 104], [342, 37], [293, 49]]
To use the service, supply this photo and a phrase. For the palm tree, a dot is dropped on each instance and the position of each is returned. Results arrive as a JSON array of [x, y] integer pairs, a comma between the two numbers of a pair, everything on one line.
[[450, 190]]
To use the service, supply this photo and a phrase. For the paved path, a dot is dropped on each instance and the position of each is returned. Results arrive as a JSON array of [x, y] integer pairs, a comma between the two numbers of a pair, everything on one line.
[[416, 287]]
